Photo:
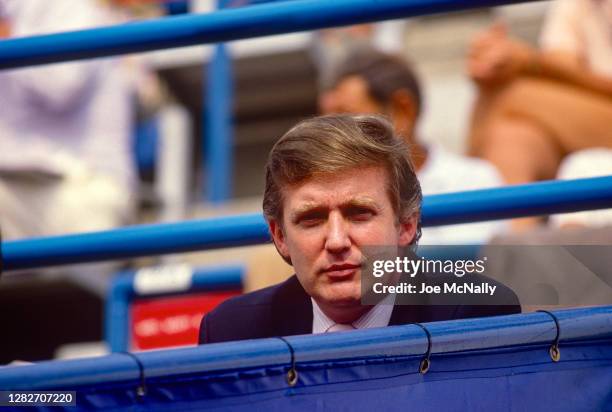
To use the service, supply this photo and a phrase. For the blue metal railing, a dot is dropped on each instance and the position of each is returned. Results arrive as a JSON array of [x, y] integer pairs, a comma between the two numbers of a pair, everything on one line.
[[223, 25], [218, 130], [535, 199], [472, 206], [257, 20], [122, 291]]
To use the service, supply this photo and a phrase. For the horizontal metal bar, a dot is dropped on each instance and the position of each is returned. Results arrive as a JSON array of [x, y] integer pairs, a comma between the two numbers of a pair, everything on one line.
[[461, 207], [145, 240], [535, 199], [223, 25], [448, 336]]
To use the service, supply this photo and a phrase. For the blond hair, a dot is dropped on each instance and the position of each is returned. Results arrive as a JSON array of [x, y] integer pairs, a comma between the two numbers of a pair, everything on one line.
[[330, 144]]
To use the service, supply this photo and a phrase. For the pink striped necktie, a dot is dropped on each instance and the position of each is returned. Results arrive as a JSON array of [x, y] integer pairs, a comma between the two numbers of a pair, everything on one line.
[[340, 327]]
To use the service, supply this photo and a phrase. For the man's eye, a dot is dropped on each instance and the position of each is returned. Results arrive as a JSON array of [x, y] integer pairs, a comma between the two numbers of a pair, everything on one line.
[[311, 219], [360, 215]]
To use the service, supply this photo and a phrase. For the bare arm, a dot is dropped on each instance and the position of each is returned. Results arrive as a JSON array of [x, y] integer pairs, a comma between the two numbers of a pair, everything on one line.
[[495, 58], [569, 69]]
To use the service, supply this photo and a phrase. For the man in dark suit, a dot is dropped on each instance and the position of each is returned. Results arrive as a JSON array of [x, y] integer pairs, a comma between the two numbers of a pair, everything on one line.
[[335, 186]]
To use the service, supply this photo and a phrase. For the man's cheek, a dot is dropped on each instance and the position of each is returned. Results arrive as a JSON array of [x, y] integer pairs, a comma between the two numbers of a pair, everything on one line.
[[371, 233]]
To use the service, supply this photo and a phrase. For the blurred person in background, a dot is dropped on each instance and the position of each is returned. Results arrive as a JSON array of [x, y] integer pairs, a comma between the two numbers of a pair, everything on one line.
[[66, 165], [537, 105], [369, 81], [332, 46], [65, 161], [65, 135]]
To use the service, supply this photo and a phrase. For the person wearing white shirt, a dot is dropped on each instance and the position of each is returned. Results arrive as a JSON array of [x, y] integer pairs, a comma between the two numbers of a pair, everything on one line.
[[65, 130], [370, 81]]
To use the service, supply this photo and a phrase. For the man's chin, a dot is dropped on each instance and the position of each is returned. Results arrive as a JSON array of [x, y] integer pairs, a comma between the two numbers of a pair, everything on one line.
[[342, 296], [345, 303]]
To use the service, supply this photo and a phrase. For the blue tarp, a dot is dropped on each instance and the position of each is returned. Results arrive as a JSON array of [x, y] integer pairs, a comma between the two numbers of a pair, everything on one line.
[[500, 363]]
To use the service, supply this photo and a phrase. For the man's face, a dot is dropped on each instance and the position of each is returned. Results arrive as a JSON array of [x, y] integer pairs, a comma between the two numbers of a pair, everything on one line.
[[350, 95], [326, 222]]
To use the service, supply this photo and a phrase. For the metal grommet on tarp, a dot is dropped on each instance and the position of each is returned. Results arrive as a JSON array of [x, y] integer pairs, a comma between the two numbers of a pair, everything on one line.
[[292, 374], [141, 390], [554, 351], [425, 362]]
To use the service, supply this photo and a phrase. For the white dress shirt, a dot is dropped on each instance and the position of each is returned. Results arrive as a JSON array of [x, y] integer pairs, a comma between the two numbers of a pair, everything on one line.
[[377, 317], [445, 172]]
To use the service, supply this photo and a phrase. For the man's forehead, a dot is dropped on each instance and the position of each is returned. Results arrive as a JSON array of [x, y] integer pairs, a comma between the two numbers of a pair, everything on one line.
[[367, 186], [357, 96]]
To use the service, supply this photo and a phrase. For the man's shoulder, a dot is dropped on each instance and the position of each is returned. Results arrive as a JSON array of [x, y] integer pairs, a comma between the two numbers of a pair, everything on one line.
[[249, 316], [259, 297]]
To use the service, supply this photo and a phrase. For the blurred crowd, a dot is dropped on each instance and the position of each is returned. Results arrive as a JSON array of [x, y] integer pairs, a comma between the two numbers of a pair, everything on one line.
[[541, 110]]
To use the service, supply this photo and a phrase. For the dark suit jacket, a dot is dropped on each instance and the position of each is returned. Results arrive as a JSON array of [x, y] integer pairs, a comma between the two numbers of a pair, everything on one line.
[[286, 309]]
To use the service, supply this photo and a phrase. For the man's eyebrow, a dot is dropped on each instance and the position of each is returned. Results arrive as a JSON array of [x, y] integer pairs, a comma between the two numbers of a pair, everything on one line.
[[305, 208], [362, 202], [359, 202]]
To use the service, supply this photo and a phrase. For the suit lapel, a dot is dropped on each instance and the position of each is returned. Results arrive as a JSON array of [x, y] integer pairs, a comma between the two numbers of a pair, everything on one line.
[[404, 314], [415, 309], [292, 310]]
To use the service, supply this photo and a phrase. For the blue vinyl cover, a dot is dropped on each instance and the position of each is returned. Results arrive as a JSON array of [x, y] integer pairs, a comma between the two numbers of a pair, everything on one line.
[[499, 363]]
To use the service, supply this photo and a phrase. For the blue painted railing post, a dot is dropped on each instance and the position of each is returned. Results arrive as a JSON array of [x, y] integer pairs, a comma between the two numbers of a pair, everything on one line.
[[117, 312], [218, 133]]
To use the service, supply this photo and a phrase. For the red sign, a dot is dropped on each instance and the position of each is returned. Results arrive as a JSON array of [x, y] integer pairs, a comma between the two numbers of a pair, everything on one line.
[[172, 321]]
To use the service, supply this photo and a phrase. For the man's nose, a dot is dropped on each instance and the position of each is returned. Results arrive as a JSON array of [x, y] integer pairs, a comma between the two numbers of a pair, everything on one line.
[[338, 238]]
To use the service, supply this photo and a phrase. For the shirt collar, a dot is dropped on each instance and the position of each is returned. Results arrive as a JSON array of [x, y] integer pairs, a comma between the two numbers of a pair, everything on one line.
[[377, 317]]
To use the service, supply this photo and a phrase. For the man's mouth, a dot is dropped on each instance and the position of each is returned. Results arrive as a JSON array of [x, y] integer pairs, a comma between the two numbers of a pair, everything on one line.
[[341, 271]]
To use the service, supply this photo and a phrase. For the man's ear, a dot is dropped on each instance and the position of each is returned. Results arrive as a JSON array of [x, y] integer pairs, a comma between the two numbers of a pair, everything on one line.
[[404, 112], [278, 236], [408, 229]]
